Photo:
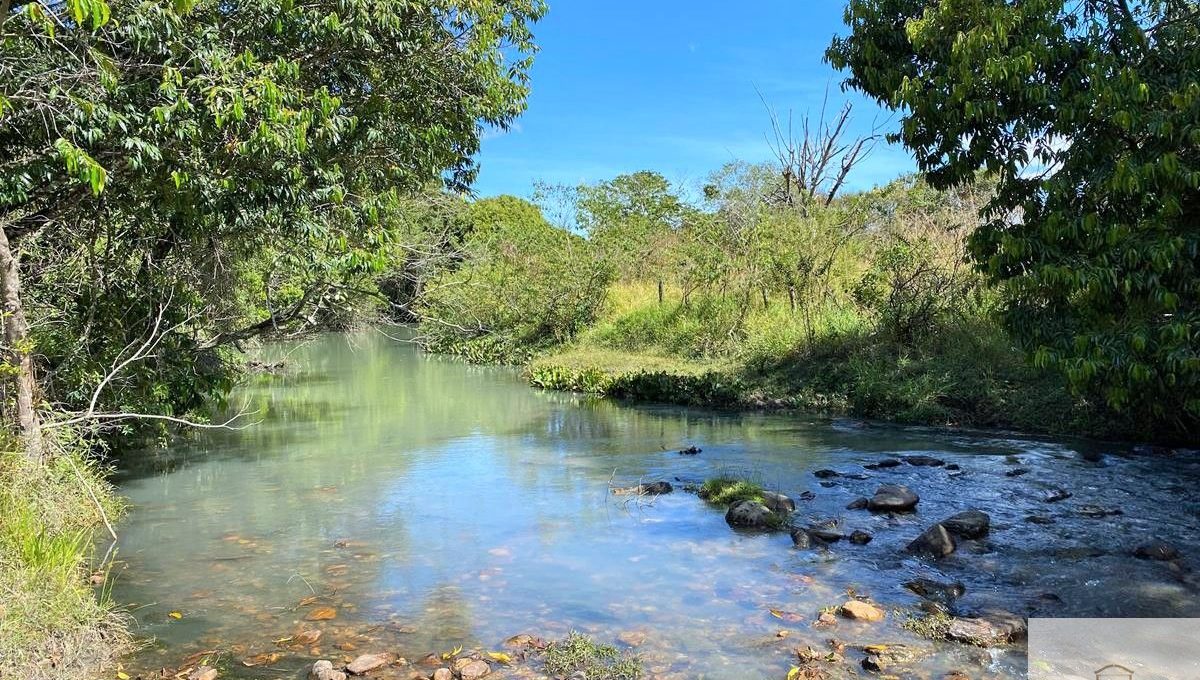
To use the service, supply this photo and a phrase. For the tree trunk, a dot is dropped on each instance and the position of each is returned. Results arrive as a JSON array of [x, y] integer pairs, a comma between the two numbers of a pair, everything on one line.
[[16, 339], [766, 303], [660, 291], [792, 298]]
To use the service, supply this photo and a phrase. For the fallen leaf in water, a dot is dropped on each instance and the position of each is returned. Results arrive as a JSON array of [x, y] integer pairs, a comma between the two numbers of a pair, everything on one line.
[[198, 657], [262, 659], [790, 617], [793, 673], [321, 614], [446, 656], [175, 615], [500, 657], [308, 600]]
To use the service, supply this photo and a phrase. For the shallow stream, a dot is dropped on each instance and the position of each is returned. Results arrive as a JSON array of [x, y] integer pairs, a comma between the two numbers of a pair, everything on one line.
[[431, 504]]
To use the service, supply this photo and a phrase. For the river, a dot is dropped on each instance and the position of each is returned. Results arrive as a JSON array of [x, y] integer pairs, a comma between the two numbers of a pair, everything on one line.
[[432, 504]]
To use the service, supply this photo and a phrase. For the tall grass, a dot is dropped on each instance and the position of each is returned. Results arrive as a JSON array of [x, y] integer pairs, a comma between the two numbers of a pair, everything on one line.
[[53, 622]]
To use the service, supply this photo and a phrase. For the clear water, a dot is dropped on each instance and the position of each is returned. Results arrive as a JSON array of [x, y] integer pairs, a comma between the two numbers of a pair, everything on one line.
[[434, 504]]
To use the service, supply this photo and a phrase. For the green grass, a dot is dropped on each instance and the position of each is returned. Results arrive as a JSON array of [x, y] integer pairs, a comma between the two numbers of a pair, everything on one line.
[[730, 490], [578, 656], [48, 609]]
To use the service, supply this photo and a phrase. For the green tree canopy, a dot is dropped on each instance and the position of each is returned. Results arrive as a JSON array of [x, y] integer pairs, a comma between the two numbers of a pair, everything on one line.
[[1088, 114]]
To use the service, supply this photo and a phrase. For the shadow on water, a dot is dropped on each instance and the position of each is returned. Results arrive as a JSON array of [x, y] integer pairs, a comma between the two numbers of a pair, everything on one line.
[[426, 504]]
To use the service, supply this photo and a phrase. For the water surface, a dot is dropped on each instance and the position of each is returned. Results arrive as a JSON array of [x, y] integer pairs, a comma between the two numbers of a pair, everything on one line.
[[434, 504]]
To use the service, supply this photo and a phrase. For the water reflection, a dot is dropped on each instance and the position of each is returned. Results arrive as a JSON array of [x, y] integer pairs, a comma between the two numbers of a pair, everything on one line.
[[428, 504]]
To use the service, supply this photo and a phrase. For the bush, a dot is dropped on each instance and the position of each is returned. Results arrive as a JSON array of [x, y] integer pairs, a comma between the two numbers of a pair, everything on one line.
[[578, 656]]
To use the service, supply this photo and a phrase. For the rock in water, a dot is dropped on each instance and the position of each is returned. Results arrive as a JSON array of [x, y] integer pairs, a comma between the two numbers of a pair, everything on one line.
[[323, 670], [826, 474], [650, 489], [1055, 495], [990, 628], [825, 535], [934, 542], [801, 539], [860, 537], [751, 515], [881, 657], [968, 524], [1156, 550], [368, 662], [882, 464], [893, 498], [203, 673], [474, 670], [936, 591], [859, 503], [923, 461], [443, 674], [778, 502], [862, 611]]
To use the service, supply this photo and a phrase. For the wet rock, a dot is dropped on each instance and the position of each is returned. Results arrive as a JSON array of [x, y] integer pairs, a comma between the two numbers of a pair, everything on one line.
[[366, 663], [1092, 456], [826, 474], [807, 495], [944, 593], [443, 674], [690, 451], [1039, 519], [952, 467], [956, 675], [1016, 472], [471, 669], [1156, 550], [882, 464], [1055, 495], [825, 620], [893, 498], [751, 515], [321, 614], [632, 638], [859, 503], [1080, 552], [323, 670], [203, 673], [860, 537], [826, 484], [1097, 511], [923, 461], [824, 535], [778, 502], [935, 542], [855, 475], [988, 629], [307, 637], [861, 611], [970, 524], [801, 539], [650, 489], [882, 657]]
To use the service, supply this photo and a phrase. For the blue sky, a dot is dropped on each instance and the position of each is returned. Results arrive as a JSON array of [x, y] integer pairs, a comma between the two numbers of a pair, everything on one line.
[[673, 86]]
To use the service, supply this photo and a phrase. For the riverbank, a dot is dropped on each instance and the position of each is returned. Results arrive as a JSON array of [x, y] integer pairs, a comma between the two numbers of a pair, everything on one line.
[[57, 621]]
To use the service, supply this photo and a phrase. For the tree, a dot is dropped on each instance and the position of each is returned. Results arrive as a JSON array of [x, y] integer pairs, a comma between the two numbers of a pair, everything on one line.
[[633, 219], [195, 150], [1088, 115]]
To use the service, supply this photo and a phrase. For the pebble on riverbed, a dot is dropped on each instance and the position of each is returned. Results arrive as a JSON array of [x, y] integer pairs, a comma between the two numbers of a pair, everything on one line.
[[1156, 550], [323, 670]]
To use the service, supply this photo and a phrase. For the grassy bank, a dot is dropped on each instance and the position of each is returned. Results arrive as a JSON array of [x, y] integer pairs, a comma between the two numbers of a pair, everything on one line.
[[966, 373], [54, 623]]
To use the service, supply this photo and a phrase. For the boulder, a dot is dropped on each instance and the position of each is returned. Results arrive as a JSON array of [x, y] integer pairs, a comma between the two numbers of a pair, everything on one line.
[[860, 537], [988, 629], [690, 451], [1055, 495], [203, 673], [323, 670], [778, 502], [366, 663], [936, 591], [443, 674], [859, 503], [1156, 550], [1016, 472], [751, 515], [882, 464], [471, 669], [861, 611], [826, 474], [952, 467], [893, 498], [923, 461], [935, 542], [969, 524], [1097, 511]]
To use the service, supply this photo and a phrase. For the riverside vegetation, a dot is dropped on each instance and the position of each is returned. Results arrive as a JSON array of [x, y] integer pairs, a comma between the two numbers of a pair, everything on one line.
[[179, 180]]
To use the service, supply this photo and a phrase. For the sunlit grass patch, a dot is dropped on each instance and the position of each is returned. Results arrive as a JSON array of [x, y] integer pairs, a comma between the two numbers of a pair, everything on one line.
[[578, 656]]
